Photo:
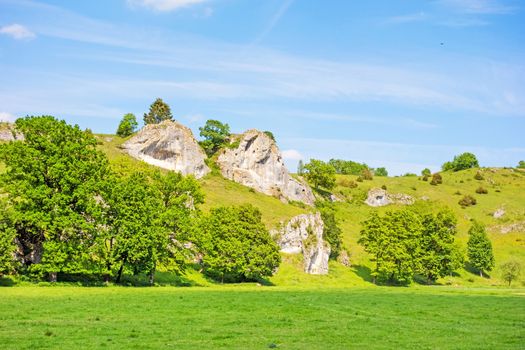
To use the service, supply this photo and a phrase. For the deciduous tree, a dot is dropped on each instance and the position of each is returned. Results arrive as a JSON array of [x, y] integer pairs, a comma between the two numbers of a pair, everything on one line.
[[480, 248], [215, 134], [320, 173], [127, 125]]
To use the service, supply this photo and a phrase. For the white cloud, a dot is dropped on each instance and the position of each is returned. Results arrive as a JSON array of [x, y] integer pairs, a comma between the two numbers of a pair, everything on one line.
[[165, 5], [6, 117], [292, 154], [481, 7], [17, 31]]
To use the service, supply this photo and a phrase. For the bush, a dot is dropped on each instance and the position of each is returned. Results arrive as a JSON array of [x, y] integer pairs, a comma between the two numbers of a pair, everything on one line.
[[426, 172], [467, 201], [461, 162], [478, 176], [383, 187], [367, 174], [347, 183], [359, 179], [436, 179], [424, 178], [381, 172], [481, 190]]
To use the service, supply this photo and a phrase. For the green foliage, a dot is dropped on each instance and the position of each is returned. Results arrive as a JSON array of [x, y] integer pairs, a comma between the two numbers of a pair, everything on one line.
[[481, 190], [347, 167], [331, 232], [127, 125], [521, 164], [236, 245], [426, 172], [461, 162], [367, 174], [439, 255], [215, 135], [392, 240], [7, 240], [320, 174], [51, 181], [510, 270], [158, 112], [479, 248], [478, 176], [467, 201], [380, 172]]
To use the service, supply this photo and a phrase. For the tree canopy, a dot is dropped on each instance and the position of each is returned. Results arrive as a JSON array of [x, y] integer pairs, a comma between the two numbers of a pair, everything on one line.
[[158, 112], [480, 248], [215, 134], [461, 162], [320, 174], [127, 125]]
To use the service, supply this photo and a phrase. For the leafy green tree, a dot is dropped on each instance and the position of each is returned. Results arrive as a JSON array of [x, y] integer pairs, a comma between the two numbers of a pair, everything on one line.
[[7, 240], [426, 172], [331, 232], [461, 162], [215, 134], [392, 240], [381, 172], [127, 125], [300, 167], [510, 271], [347, 167], [158, 112], [320, 173], [439, 255], [237, 245], [479, 248], [51, 181], [521, 164]]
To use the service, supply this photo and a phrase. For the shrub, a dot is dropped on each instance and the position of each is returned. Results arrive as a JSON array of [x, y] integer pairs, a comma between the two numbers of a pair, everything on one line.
[[436, 179], [367, 174], [383, 187], [359, 179], [467, 201], [381, 172], [478, 176], [426, 172], [424, 178], [481, 190]]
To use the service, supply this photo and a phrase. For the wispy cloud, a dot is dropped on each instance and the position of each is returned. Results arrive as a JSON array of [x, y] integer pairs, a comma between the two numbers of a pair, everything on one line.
[[482, 7], [17, 31], [164, 5], [409, 18], [292, 154], [273, 21]]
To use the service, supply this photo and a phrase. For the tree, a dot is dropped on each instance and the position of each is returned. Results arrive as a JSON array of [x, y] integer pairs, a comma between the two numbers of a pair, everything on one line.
[[51, 181], [331, 232], [300, 167], [236, 245], [426, 172], [381, 172], [439, 255], [347, 167], [461, 162], [215, 134], [127, 125], [510, 271], [521, 164], [479, 248], [393, 242], [158, 112], [320, 173], [7, 240]]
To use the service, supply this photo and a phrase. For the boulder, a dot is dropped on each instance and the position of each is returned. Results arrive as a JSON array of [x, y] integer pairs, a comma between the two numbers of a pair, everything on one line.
[[7, 132], [498, 213], [168, 145], [378, 197], [256, 162], [304, 234]]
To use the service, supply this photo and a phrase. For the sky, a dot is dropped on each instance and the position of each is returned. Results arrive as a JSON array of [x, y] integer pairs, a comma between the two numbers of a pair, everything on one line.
[[400, 84]]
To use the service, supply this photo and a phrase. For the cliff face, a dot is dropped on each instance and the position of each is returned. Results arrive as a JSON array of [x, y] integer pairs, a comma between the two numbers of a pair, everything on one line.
[[304, 234], [257, 163], [168, 145], [7, 132]]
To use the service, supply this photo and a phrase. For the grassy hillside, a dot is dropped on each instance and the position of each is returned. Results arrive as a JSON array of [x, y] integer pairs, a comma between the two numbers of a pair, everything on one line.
[[250, 317], [506, 190]]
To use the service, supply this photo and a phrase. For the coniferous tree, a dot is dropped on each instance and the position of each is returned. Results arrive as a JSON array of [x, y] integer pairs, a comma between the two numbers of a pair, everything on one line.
[[158, 112], [480, 248]]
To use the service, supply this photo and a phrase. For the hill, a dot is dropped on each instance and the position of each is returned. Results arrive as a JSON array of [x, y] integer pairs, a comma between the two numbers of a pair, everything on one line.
[[505, 192]]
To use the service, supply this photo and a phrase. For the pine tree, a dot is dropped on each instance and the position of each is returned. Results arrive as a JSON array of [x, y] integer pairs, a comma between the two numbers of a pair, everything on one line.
[[158, 112], [480, 248]]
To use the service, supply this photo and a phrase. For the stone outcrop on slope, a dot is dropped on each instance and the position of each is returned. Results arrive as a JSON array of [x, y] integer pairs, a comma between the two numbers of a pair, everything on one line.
[[304, 234], [168, 145], [257, 163], [378, 197], [6, 132]]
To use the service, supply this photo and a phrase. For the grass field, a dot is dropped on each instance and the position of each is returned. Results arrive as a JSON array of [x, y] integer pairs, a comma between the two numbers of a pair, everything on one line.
[[250, 317]]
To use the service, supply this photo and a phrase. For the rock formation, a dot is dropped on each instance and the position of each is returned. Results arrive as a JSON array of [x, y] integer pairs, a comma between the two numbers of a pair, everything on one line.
[[257, 163], [168, 145], [304, 234], [378, 197], [7, 132]]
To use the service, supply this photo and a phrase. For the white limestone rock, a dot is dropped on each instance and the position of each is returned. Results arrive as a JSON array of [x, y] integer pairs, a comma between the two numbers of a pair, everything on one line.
[[257, 163], [168, 145], [8, 133], [378, 197], [304, 234]]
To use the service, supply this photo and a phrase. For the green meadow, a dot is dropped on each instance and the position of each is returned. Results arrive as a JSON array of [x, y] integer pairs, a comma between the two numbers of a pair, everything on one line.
[[261, 317]]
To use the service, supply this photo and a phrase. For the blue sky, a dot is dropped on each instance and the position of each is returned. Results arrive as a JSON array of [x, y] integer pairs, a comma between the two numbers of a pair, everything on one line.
[[401, 84]]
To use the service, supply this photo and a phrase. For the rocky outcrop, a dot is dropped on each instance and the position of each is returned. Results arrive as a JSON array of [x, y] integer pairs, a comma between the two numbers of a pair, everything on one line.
[[168, 145], [498, 213], [7, 132], [256, 162], [304, 234], [378, 197]]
